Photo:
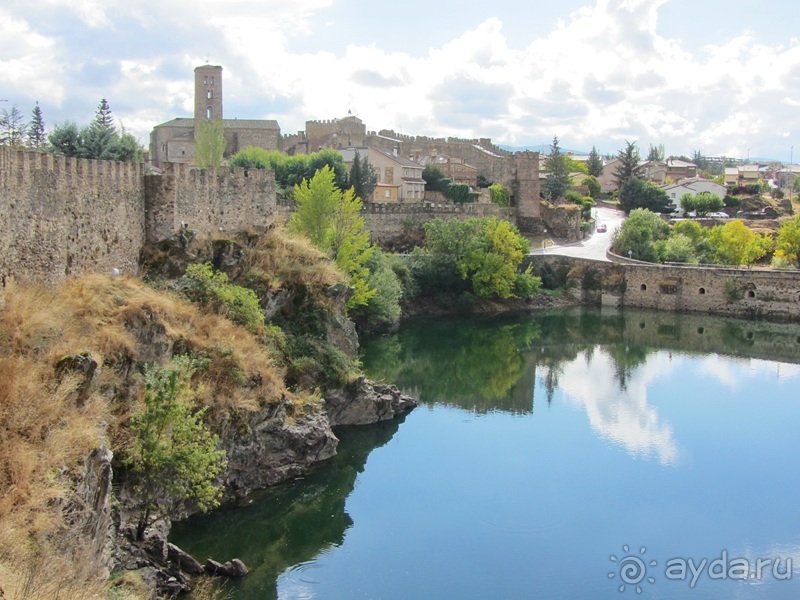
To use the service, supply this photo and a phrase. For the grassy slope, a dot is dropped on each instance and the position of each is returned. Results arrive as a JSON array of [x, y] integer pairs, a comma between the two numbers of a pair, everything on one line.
[[45, 431]]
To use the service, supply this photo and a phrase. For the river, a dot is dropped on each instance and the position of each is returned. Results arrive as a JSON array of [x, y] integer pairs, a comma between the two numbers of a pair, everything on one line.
[[571, 454]]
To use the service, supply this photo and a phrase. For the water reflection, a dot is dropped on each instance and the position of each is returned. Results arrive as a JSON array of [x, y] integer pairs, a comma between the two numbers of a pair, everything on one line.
[[621, 412], [289, 525], [494, 364]]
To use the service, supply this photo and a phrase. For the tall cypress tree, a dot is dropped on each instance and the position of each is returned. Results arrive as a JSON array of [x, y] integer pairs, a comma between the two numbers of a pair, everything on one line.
[[558, 179], [355, 176], [36, 136], [629, 163], [595, 163]]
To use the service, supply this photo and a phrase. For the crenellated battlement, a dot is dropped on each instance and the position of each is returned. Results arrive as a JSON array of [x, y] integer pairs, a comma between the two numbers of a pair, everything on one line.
[[21, 166]]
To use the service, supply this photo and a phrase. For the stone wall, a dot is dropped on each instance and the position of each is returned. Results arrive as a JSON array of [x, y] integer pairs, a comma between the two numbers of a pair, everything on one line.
[[208, 200], [734, 292], [388, 222], [64, 216]]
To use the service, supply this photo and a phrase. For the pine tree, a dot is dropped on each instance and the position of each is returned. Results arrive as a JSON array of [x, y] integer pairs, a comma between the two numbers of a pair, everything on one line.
[[103, 115], [629, 163], [36, 136], [595, 163], [12, 127], [558, 179]]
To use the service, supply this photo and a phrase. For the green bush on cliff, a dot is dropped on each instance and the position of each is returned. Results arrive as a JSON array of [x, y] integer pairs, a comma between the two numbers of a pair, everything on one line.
[[211, 288], [173, 457]]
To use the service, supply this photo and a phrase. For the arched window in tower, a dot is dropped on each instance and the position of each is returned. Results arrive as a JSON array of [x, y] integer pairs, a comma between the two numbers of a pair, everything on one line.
[[212, 80], [208, 94], [208, 113], [205, 80]]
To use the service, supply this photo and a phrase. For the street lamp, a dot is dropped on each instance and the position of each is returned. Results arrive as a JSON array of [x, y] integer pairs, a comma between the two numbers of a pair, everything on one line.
[[630, 254], [544, 241]]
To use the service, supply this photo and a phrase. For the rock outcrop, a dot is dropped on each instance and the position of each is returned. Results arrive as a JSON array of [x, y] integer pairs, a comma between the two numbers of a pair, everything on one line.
[[266, 447], [363, 402]]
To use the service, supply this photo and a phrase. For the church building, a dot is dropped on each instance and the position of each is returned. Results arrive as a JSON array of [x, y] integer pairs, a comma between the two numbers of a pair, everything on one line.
[[173, 141]]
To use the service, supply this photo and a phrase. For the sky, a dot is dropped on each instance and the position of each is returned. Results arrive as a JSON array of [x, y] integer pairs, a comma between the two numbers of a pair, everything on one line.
[[719, 77]]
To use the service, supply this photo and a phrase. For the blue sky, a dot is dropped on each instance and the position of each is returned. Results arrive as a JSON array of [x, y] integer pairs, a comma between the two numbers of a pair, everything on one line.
[[721, 77]]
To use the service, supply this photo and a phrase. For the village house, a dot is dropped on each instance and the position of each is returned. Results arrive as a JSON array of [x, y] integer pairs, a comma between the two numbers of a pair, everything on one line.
[[693, 186], [399, 179]]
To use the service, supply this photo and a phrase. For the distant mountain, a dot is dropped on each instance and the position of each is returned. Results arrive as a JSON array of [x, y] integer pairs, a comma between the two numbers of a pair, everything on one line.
[[541, 148]]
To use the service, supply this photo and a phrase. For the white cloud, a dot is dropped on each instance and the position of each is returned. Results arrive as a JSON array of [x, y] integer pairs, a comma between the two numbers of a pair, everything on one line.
[[603, 74]]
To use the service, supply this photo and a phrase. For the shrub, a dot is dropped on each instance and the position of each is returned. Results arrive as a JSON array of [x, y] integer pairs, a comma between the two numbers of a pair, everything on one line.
[[460, 193], [203, 285], [172, 456], [499, 195]]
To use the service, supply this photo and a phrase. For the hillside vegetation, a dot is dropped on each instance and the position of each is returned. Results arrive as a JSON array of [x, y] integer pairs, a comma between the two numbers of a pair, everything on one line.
[[72, 369]]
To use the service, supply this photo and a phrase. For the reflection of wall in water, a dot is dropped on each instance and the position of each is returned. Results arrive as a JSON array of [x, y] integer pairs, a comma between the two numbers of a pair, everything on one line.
[[747, 293]]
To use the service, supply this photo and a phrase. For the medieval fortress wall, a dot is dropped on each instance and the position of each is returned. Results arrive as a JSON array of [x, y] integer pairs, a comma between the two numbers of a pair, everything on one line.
[[64, 216]]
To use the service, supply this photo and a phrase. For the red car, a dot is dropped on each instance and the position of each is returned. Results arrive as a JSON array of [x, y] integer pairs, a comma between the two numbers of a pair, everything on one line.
[[602, 228]]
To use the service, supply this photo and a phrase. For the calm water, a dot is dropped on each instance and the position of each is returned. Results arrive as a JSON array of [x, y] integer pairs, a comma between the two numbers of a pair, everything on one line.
[[547, 445]]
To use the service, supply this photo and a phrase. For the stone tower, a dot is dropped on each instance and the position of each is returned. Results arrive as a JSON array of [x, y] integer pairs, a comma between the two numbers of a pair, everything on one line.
[[207, 93]]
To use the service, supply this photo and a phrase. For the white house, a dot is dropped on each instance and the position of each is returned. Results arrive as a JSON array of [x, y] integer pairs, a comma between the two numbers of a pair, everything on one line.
[[693, 186]]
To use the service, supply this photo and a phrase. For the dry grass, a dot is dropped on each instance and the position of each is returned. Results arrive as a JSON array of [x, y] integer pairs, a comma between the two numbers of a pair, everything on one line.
[[45, 432], [282, 259]]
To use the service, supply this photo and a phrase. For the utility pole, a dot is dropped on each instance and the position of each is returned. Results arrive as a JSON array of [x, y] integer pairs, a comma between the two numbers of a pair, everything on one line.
[[790, 175]]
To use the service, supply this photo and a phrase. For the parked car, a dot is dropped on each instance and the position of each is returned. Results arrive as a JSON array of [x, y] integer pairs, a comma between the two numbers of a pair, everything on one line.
[[718, 215], [602, 228]]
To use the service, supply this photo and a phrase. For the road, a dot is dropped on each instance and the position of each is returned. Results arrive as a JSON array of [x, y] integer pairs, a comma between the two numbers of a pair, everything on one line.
[[593, 247]]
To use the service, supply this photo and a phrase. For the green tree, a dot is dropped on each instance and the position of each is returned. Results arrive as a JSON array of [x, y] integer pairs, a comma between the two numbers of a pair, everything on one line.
[[484, 252], [558, 179], [35, 133], [787, 245], [702, 203], [638, 235], [575, 166], [173, 457], [656, 153], [363, 177], [637, 193], [383, 309], [499, 195], [102, 116], [593, 185], [332, 221], [677, 248], [736, 244], [435, 180], [96, 141], [629, 163], [65, 139], [701, 161], [595, 163], [125, 147], [210, 143], [12, 127]]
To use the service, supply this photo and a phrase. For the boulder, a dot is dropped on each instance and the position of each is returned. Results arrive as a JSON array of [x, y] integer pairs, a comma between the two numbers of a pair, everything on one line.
[[363, 402]]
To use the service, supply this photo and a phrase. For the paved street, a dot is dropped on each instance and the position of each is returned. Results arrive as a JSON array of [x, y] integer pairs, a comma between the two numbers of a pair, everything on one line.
[[593, 247]]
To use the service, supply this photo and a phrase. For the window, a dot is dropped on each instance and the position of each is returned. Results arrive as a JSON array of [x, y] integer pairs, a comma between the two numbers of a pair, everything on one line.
[[205, 80], [212, 80], [208, 94], [644, 287], [208, 113], [751, 294], [702, 291], [388, 194]]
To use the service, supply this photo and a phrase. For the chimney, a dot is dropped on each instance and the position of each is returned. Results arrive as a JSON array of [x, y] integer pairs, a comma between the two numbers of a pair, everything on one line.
[[395, 151]]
